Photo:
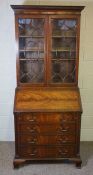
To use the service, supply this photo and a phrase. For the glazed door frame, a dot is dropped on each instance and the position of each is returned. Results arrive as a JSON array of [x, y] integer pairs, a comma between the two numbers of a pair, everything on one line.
[[47, 49], [17, 17], [64, 17]]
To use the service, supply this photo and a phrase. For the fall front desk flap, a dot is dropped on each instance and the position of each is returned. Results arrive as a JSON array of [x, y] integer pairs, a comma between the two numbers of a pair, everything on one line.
[[47, 100]]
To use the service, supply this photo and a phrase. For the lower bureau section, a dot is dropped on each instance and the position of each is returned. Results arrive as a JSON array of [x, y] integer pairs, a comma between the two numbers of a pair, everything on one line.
[[47, 137], [35, 152]]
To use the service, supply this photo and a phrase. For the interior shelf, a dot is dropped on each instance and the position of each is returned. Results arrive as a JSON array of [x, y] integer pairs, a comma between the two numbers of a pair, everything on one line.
[[27, 36], [31, 59], [60, 36], [58, 59], [31, 50], [63, 50], [62, 59]]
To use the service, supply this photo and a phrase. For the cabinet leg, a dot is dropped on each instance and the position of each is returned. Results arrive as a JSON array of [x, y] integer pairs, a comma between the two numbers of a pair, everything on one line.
[[17, 163], [78, 164], [16, 166]]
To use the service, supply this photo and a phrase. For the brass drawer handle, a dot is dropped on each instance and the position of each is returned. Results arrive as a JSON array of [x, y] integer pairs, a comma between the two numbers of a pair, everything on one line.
[[33, 119], [63, 153], [60, 130], [62, 141], [64, 130], [33, 141], [31, 130], [32, 154]]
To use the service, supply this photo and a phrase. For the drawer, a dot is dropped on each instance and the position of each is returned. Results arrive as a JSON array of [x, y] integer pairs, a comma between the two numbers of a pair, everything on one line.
[[47, 139], [66, 138], [39, 117], [46, 117], [47, 129], [34, 152]]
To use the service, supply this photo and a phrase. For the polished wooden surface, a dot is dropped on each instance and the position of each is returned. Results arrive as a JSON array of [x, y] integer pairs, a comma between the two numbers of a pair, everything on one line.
[[46, 129], [47, 152], [35, 9], [33, 139], [47, 100], [47, 135], [48, 117]]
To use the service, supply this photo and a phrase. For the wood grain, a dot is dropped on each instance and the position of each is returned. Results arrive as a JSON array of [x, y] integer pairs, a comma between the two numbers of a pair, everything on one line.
[[47, 100], [46, 152]]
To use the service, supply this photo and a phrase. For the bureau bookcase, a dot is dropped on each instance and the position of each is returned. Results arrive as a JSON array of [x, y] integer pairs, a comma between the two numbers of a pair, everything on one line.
[[47, 105]]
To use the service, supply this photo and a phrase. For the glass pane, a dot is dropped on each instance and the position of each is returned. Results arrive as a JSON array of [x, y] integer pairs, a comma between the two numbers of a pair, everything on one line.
[[31, 27], [31, 43], [63, 53], [31, 50], [63, 71], [31, 71]]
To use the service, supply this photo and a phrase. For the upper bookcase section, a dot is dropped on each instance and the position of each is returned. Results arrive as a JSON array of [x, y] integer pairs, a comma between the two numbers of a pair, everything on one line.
[[47, 42]]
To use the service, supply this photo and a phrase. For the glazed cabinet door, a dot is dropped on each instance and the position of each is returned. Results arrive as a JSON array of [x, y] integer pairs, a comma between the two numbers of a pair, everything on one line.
[[31, 35], [48, 49], [64, 35]]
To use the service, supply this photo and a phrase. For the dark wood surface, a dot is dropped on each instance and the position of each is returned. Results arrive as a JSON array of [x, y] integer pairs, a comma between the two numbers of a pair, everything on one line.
[[47, 152], [32, 139], [44, 7], [47, 135]]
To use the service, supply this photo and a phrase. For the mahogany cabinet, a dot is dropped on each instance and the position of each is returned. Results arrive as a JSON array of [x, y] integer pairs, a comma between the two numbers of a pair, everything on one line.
[[47, 106]]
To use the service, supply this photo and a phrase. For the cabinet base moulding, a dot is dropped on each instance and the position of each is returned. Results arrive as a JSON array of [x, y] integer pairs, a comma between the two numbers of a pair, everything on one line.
[[20, 162]]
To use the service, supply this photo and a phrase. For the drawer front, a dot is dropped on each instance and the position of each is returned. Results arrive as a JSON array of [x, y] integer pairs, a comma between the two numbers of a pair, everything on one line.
[[46, 117], [47, 129], [46, 140], [39, 117], [32, 152]]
